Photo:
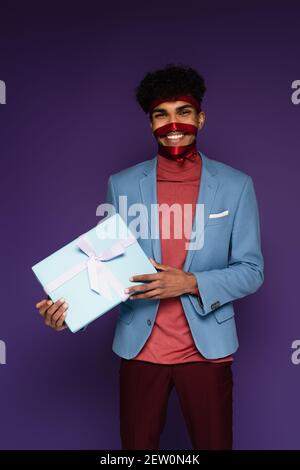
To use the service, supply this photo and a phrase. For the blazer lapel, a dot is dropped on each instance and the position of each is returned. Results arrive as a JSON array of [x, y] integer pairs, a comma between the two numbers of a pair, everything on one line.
[[148, 189]]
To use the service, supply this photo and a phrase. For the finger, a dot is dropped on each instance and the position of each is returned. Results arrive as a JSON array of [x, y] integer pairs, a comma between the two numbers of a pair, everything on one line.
[[145, 277], [161, 266], [142, 287], [40, 303], [44, 307], [51, 310], [59, 312], [61, 320], [55, 306], [154, 294], [63, 327]]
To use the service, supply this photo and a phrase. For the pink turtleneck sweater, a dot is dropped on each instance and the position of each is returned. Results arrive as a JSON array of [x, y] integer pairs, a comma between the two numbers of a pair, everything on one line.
[[171, 341]]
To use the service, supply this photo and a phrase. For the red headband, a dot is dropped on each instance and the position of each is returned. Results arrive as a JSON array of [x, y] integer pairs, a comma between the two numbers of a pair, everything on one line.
[[188, 98]]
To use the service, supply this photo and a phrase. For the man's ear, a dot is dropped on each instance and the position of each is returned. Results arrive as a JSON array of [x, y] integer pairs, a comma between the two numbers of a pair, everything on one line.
[[201, 119]]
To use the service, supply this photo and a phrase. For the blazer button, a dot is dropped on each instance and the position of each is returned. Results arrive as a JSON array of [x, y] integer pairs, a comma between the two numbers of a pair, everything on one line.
[[149, 322], [215, 305]]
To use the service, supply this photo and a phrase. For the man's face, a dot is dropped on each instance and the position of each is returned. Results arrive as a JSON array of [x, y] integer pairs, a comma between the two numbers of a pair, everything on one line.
[[176, 111]]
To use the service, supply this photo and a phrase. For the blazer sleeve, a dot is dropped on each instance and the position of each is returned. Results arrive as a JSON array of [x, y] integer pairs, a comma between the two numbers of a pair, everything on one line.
[[111, 195], [244, 274]]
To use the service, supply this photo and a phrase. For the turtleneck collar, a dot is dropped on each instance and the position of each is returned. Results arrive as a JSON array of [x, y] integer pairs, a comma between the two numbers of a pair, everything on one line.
[[172, 166]]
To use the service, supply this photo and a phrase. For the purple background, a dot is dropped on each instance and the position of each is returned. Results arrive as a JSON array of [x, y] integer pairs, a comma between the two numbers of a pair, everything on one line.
[[70, 121]]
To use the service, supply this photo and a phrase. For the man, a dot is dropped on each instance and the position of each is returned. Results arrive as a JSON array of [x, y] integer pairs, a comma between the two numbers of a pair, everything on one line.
[[178, 328]]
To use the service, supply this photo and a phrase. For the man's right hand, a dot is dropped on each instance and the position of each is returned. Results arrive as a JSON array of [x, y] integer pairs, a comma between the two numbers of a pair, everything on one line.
[[54, 313]]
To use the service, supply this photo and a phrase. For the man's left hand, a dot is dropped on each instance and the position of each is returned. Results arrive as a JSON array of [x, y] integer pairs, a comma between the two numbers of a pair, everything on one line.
[[169, 282]]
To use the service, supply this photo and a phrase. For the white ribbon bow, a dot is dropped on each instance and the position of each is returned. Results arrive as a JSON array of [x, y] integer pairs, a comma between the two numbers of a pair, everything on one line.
[[101, 279]]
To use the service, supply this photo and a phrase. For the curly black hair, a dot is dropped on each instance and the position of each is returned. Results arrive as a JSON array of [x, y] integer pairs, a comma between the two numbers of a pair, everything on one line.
[[170, 81]]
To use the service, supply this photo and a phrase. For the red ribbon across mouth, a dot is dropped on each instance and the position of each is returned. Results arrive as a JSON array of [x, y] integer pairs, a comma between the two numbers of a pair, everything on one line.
[[178, 153]]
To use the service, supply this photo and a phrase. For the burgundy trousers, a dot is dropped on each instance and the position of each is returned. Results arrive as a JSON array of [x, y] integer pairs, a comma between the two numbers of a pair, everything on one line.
[[205, 395]]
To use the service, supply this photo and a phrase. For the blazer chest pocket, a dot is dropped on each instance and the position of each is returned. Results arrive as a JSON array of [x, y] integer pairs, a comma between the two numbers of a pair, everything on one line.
[[218, 218]]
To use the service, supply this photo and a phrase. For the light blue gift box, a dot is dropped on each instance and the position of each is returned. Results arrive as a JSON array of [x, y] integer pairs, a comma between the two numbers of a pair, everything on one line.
[[89, 285]]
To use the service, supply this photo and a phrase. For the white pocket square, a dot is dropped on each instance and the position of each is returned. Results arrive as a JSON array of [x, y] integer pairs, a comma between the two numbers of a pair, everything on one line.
[[219, 214]]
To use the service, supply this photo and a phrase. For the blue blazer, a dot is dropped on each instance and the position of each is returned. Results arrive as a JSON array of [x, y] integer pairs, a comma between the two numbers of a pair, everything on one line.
[[229, 266]]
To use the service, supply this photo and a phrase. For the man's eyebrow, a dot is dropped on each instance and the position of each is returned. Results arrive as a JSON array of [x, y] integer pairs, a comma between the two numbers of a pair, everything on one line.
[[184, 106], [163, 110]]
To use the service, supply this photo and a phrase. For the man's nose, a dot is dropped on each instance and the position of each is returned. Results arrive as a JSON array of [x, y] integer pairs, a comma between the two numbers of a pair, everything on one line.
[[171, 119]]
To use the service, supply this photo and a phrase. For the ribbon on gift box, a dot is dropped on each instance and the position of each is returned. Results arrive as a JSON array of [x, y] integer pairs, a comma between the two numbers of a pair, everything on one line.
[[101, 279]]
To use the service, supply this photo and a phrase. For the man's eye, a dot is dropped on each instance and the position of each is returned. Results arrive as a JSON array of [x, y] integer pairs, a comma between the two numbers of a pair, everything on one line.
[[185, 112]]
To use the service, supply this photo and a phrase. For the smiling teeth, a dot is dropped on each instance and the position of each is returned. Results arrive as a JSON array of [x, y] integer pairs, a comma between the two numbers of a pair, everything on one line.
[[175, 137]]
